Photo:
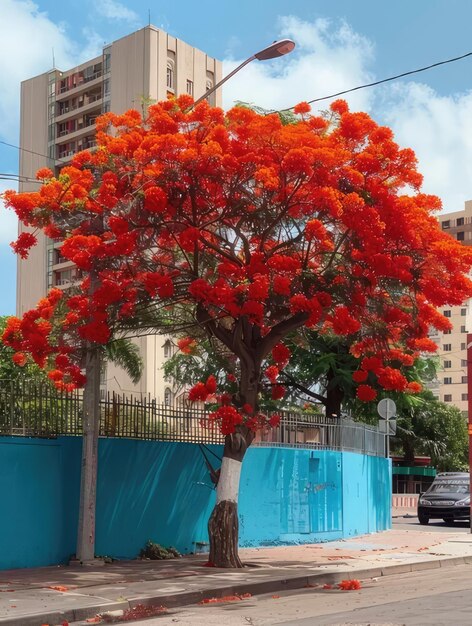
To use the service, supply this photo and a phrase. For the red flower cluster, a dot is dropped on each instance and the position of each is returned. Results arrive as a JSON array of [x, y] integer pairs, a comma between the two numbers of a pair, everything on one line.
[[350, 585], [187, 345], [23, 244], [253, 228], [201, 391]]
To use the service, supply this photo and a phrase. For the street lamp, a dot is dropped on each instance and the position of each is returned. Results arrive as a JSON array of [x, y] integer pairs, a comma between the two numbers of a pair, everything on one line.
[[469, 414], [276, 49]]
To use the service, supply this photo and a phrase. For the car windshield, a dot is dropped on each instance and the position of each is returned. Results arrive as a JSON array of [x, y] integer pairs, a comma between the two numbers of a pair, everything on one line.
[[449, 486]]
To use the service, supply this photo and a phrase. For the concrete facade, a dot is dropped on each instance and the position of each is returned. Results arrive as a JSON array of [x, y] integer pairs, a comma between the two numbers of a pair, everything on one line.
[[451, 384], [58, 113], [162, 491]]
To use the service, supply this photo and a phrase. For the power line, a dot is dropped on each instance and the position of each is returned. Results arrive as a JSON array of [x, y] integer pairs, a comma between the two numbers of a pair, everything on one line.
[[11, 145], [19, 179], [333, 95], [379, 82]]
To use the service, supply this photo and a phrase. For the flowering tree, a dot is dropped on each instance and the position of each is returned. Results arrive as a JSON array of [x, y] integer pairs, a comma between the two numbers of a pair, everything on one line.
[[258, 230]]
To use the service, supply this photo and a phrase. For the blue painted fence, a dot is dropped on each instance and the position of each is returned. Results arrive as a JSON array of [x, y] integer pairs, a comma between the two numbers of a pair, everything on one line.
[[162, 491]]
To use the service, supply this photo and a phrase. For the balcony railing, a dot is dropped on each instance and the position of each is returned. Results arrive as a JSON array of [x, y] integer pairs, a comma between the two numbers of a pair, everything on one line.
[[41, 411], [80, 81], [79, 126]]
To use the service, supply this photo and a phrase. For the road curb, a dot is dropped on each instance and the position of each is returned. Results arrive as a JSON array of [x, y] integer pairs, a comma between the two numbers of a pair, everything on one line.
[[57, 617], [175, 600]]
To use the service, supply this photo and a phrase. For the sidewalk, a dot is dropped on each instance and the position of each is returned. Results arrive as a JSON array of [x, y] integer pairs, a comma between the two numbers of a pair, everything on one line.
[[52, 595]]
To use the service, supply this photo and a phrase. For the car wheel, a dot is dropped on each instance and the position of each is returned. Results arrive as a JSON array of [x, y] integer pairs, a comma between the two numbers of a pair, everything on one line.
[[423, 519]]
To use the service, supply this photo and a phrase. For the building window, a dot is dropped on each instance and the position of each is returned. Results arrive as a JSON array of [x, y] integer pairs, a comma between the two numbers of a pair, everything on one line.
[[170, 75], [460, 235], [447, 332], [167, 349], [445, 224], [209, 85], [463, 346], [448, 397], [463, 312], [448, 380], [107, 60], [447, 347], [463, 362], [464, 397], [464, 380], [66, 277], [447, 364], [190, 87], [447, 313], [463, 330], [460, 221], [167, 397]]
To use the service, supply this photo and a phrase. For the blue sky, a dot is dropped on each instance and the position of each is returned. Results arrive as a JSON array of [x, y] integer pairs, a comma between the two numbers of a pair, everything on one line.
[[340, 44]]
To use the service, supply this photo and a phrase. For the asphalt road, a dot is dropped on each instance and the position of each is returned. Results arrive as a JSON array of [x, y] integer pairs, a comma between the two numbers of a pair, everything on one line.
[[412, 523], [440, 597]]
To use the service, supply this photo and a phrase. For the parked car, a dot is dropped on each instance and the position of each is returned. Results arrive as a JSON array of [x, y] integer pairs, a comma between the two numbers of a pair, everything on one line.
[[448, 498]]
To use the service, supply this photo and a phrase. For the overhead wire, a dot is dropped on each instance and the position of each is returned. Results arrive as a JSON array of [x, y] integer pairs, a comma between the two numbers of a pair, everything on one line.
[[383, 80], [12, 145], [19, 179], [333, 95]]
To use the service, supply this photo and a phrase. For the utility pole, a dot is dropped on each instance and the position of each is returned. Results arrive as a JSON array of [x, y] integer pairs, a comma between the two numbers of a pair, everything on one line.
[[469, 413]]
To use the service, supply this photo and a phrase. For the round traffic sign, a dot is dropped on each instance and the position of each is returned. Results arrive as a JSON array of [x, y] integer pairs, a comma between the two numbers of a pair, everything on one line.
[[387, 408]]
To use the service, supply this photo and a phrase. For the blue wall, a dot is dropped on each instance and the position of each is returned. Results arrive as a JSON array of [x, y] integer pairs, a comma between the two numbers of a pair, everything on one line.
[[162, 491]]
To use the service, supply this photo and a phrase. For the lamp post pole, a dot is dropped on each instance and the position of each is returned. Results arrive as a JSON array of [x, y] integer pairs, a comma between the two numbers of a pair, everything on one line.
[[276, 49], [469, 413]]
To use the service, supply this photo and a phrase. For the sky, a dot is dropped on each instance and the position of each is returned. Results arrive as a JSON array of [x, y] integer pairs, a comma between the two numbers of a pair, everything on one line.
[[339, 44]]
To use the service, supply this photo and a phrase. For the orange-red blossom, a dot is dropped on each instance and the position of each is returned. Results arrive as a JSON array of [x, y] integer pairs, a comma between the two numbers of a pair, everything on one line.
[[250, 224]]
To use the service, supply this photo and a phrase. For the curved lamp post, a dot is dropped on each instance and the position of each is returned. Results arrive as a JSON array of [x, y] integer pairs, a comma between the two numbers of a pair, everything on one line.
[[276, 49]]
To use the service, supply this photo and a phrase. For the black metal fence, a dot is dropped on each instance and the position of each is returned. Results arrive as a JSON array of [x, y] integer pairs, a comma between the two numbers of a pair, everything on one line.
[[31, 410]]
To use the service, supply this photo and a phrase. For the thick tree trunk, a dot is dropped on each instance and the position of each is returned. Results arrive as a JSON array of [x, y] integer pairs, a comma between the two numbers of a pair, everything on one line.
[[223, 526], [88, 483]]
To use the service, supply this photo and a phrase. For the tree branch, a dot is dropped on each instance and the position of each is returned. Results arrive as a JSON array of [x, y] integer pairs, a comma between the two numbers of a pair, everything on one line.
[[279, 331], [312, 394]]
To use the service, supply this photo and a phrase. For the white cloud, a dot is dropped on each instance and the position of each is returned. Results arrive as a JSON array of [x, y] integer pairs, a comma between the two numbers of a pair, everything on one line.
[[93, 46], [439, 129], [329, 57], [27, 40], [8, 219], [113, 10]]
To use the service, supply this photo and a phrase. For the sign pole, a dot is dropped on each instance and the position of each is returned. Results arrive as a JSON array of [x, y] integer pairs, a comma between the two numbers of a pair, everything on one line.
[[387, 409], [469, 413]]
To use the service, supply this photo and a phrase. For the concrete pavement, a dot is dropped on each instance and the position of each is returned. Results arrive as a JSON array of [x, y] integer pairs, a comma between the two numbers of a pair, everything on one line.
[[53, 595]]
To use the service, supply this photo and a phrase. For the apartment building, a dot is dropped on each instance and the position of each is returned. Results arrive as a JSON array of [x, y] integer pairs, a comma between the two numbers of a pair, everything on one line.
[[58, 113], [451, 383]]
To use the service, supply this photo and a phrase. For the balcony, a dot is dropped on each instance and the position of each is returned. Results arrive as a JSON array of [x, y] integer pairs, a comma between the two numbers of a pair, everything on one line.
[[77, 81], [88, 103], [67, 134]]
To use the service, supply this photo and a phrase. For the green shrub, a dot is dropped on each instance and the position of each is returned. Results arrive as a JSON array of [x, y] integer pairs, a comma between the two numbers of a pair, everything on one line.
[[156, 552]]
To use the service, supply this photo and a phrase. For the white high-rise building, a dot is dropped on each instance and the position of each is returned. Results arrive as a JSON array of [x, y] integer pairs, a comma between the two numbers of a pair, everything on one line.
[[58, 113]]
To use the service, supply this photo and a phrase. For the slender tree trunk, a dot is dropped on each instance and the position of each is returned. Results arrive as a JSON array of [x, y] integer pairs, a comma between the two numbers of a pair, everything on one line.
[[88, 483], [334, 396], [223, 526]]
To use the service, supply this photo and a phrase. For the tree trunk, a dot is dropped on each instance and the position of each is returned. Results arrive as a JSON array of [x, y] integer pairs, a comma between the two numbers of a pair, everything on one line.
[[88, 483], [223, 526], [334, 396]]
